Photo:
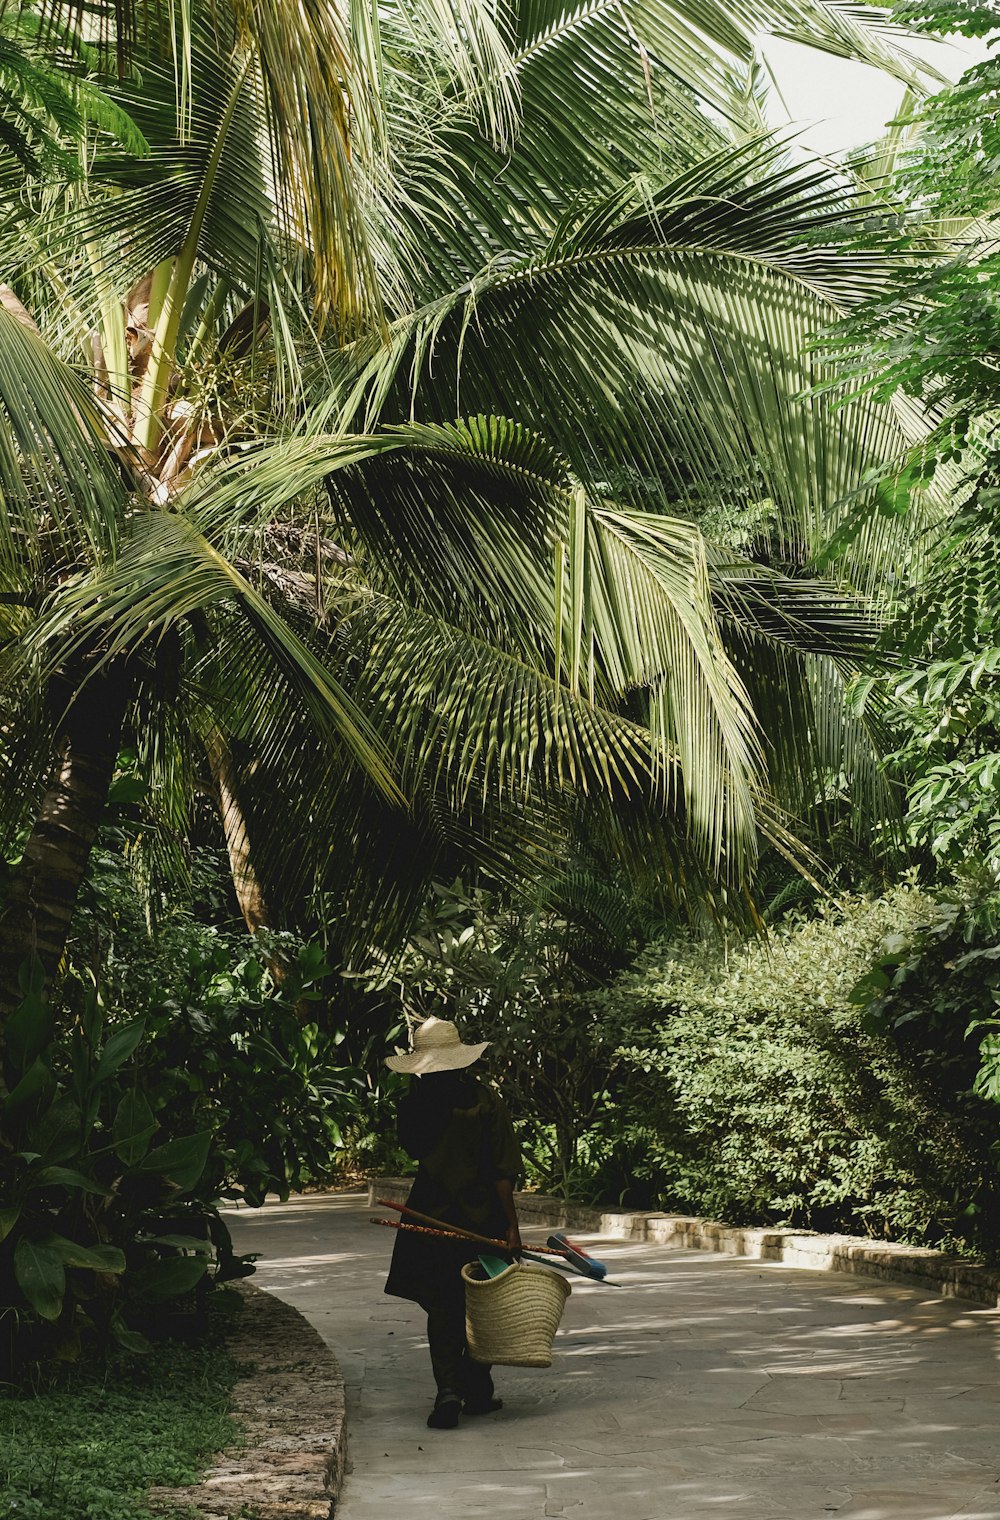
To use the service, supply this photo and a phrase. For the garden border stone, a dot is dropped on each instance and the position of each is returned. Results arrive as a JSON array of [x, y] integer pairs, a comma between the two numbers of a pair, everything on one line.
[[290, 1405], [933, 1271]]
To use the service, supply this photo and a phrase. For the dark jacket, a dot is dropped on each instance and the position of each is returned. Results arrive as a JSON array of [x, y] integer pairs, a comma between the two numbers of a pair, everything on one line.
[[459, 1130]]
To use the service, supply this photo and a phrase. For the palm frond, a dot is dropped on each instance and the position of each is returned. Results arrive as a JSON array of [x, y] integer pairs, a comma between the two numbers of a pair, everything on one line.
[[61, 493], [310, 87], [143, 208], [664, 348], [481, 526], [472, 521], [654, 626], [674, 82], [166, 574]]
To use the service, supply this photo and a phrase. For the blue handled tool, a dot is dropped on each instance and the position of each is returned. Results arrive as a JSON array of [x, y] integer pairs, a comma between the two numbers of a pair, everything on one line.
[[494, 1265], [578, 1257]]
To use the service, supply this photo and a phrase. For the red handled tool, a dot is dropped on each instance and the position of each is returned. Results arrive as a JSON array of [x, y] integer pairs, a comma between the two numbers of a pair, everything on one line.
[[454, 1229], [572, 1258], [577, 1255]]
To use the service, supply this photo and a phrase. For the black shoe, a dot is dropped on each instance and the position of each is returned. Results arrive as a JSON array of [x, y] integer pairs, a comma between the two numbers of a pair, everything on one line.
[[444, 1415], [482, 1406]]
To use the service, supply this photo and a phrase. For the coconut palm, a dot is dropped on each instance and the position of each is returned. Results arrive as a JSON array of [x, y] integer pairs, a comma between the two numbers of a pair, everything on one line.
[[516, 298]]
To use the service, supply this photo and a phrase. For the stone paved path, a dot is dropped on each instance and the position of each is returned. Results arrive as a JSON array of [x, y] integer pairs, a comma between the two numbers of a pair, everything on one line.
[[705, 1386]]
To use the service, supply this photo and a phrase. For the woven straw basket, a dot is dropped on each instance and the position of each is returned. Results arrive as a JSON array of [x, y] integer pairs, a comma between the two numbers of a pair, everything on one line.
[[511, 1320]]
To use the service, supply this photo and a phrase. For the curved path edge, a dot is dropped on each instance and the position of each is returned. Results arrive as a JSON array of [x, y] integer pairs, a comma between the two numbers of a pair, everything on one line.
[[290, 1404], [933, 1271]]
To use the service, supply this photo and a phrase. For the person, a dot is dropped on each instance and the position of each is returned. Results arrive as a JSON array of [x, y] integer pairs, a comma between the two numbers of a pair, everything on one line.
[[460, 1132]]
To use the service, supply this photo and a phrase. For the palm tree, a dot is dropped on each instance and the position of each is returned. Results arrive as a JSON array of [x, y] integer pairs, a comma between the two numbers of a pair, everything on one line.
[[559, 225]]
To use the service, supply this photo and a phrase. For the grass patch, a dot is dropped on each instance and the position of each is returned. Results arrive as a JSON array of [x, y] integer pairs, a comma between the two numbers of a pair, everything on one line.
[[90, 1442]]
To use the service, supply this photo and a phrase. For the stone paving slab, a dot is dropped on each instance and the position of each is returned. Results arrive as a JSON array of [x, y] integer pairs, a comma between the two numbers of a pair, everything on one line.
[[705, 1386]]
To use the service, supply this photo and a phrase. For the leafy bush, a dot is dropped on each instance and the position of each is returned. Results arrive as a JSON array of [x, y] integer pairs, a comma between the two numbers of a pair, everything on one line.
[[229, 1049], [101, 1211], [123, 1133], [757, 1085], [238, 1036], [516, 973], [938, 991]]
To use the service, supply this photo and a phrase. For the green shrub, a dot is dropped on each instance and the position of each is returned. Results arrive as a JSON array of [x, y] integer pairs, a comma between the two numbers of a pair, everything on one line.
[[121, 1133], [756, 1085], [229, 1050], [102, 1217], [238, 1037]]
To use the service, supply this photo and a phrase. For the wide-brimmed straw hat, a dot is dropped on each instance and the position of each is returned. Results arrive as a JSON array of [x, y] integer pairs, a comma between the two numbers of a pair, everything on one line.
[[435, 1046]]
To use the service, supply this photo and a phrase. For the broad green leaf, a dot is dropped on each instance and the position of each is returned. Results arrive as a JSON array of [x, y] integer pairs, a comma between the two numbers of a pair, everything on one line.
[[127, 789], [38, 1268], [93, 1018], [8, 1219], [170, 1278], [98, 1258], [987, 1082], [31, 1089], [28, 1032], [57, 1134], [64, 1176], [134, 1127], [870, 986], [182, 1161], [128, 1339], [30, 977], [118, 1049], [199, 1246]]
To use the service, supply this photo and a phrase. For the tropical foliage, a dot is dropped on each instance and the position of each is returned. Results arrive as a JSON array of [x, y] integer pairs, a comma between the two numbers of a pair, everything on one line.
[[411, 474], [796, 1085], [379, 606], [938, 338], [121, 1141]]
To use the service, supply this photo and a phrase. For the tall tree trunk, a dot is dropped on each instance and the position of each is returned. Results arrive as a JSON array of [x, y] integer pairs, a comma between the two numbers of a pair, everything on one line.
[[248, 886], [38, 909]]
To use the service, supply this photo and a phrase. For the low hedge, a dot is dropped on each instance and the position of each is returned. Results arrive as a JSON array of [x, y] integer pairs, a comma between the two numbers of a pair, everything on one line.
[[758, 1084]]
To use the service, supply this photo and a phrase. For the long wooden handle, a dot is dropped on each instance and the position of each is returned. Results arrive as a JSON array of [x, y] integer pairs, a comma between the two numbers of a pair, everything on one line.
[[528, 1252], [422, 1229], [441, 1224]]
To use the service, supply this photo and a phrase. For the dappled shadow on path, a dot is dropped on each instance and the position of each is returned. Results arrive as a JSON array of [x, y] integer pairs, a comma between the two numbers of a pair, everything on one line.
[[704, 1386]]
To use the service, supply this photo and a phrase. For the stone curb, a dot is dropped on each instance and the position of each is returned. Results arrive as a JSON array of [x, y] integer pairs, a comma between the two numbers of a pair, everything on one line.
[[933, 1271], [290, 1405]]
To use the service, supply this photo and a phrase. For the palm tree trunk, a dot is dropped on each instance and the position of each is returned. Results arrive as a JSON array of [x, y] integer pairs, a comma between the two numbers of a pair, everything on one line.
[[36, 914], [247, 884]]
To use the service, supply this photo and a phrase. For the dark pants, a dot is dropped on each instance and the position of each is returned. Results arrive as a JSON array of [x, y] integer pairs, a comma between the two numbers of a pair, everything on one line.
[[454, 1370]]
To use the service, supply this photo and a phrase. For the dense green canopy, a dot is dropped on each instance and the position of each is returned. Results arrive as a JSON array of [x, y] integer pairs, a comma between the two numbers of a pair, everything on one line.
[[412, 414]]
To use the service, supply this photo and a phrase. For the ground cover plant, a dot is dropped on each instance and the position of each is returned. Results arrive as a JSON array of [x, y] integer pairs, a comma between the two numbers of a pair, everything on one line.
[[87, 1442]]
